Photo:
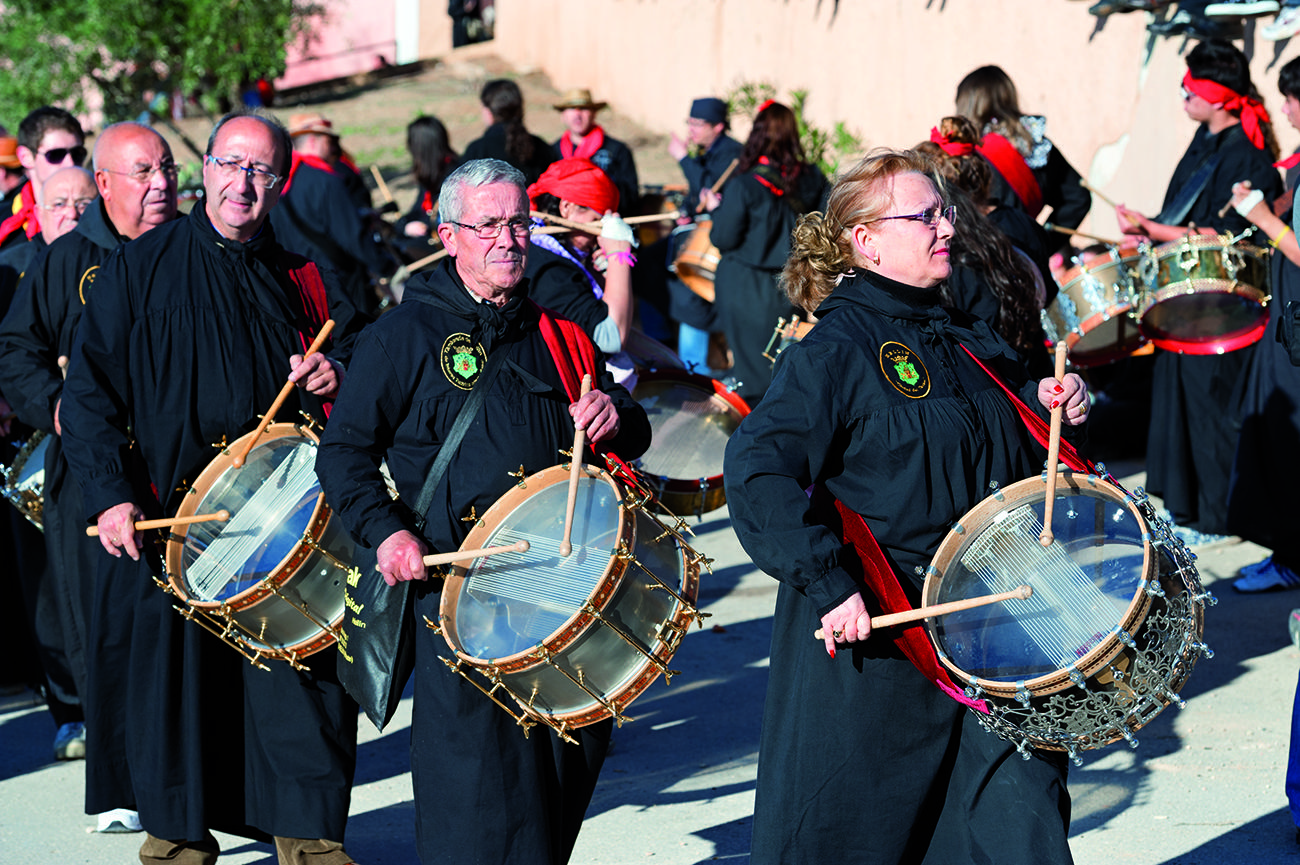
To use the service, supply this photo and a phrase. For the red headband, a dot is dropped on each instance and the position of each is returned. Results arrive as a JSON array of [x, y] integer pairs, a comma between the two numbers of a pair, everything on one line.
[[766, 105], [950, 147], [577, 180], [1252, 111]]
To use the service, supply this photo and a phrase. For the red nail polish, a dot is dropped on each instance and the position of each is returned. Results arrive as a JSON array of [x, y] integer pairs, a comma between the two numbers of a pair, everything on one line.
[[1055, 403], [832, 653], [1058, 389]]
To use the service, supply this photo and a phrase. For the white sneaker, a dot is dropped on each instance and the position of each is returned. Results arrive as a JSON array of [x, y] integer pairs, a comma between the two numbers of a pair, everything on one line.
[[119, 820], [1241, 8], [1284, 26]]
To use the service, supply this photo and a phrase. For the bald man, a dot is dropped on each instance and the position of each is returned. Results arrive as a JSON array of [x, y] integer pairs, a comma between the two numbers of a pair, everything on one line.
[[136, 179]]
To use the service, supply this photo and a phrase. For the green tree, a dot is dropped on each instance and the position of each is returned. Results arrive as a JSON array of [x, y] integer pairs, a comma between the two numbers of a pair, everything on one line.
[[54, 50]]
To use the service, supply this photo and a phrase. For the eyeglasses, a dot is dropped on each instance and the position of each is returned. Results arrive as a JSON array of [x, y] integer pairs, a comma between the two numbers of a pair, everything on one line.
[[1187, 94], [56, 155], [143, 175], [77, 204], [929, 217], [491, 230], [228, 167]]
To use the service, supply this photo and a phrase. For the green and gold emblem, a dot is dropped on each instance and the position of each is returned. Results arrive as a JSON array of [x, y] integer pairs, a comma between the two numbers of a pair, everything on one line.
[[462, 360], [904, 370]]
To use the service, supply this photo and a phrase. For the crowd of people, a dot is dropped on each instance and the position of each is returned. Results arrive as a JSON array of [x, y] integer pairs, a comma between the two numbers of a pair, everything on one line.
[[137, 336]]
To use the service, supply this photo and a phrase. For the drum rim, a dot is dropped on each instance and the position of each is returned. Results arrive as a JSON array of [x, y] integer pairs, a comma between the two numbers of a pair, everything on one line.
[[37, 440], [978, 519], [478, 536], [287, 568], [1079, 271]]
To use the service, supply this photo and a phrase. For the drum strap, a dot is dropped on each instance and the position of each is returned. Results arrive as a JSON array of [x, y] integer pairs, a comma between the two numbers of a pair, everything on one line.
[[1013, 168], [571, 349]]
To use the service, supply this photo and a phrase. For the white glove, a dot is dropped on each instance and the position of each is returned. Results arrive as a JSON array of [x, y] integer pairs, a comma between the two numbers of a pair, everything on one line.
[[614, 228], [1247, 204]]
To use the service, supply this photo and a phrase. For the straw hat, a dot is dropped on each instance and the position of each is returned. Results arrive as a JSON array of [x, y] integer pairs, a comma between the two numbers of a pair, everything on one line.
[[301, 124], [578, 97], [9, 152]]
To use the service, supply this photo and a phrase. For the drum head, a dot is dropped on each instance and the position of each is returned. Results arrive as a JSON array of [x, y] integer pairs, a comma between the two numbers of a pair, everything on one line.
[[1087, 585], [510, 603], [691, 417], [273, 500]]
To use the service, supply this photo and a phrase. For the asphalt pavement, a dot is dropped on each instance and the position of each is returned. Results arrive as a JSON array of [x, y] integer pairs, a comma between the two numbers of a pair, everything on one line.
[[1204, 786]]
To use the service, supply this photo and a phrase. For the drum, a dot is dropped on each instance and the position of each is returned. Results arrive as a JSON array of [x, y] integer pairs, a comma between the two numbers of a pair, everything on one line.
[[691, 418], [656, 199], [1093, 311], [1110, 634], [270, 580], [570, 640], [785, 334], [696, 258], [1209, 297], [648, 353], [24, 478]]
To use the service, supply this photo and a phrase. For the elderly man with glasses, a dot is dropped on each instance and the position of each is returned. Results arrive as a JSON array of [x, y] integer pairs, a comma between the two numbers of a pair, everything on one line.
[[468, 331], [49, 138], [189, 333]]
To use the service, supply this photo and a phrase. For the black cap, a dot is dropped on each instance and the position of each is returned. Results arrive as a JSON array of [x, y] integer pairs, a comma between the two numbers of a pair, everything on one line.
[[709, 109]]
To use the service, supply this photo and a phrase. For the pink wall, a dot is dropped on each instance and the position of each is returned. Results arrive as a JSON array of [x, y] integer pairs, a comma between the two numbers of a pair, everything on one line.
[[353, 32]]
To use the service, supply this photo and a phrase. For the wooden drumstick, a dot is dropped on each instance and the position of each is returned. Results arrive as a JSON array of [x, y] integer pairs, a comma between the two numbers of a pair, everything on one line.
[[219, 517], [1053, 451], [725, 175], [383, 187], [466, 555], [1061, 229], [1097, 192], [281, 397], [575, 470], [433, 257], [890, 619]]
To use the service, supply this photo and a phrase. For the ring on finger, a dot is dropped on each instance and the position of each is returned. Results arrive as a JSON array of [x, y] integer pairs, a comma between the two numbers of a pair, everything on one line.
[[837, 634]]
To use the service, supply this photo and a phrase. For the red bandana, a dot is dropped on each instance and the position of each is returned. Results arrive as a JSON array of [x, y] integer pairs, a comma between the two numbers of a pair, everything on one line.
[[594, 140], [298, 160], [577, 180], [950, 147], [1252, 111], [25, 216], [1290, 162]]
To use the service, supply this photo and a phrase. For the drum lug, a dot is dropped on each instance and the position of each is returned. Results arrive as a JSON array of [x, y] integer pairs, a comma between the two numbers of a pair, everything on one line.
[[523, 719], [636, 645], [436, 628], [1205, 650], [310, 422], [521, 474], [544, 654], [1072, 751], [1078, 679], [1022, 748], [1022, 693], [1128, 736], [995, 491], [1127, 639], [224, 632], [1154, 589]]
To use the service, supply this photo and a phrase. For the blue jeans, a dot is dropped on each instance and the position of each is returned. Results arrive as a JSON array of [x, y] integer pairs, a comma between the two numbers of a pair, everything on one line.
[[693, 347]]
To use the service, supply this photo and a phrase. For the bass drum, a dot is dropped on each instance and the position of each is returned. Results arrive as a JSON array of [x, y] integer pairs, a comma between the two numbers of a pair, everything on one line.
[[1107, 639], [270, 580], [567, 641]]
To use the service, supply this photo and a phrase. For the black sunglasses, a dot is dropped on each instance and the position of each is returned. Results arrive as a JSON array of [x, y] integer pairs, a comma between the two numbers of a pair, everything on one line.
[[55, 155]]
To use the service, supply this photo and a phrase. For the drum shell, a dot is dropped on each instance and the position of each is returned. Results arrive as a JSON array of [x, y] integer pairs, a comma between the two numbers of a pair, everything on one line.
[[691, 418], [24, 478], [1210, 296], [310, 576], [1093, 311], [696, 261], [1131, 673], [626, 595]]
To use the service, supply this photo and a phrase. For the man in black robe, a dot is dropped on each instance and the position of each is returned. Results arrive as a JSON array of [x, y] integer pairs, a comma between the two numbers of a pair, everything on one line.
[[187, 336], [136, 179], [516, 799]]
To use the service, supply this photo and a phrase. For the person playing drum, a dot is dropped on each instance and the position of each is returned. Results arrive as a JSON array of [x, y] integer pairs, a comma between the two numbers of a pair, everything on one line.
[[516, 799], [882, 408]]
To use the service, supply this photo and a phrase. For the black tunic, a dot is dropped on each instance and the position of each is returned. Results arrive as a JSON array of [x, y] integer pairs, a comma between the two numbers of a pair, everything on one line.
[[317, 219], [861, 759], [562, 286], [492, 145], [1193, 435], [39, 329], [1268, 407], [398, 404], [615, 159], [751, 229], [185, 340]]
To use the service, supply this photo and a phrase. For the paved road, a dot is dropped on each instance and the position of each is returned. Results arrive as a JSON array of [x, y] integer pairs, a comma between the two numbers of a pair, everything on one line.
[[1204, 787]]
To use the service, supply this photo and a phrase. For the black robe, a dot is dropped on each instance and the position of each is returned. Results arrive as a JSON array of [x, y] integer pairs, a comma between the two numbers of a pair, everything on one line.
[[751, 229], [861, 759], [492, 144], [1193, 436], [185, 340], [615, 159], [39, 329], [513, 800], [562, 286]]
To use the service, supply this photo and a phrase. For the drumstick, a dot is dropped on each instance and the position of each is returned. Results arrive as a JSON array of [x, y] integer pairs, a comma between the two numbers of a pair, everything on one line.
[[726, 174], [1053, 451], [383, 187], [429, 259], [575, 469], [592, 227], [1097, 192], [1061, 229], [890, 619], [466, 555], [219, 516], [281, 397]]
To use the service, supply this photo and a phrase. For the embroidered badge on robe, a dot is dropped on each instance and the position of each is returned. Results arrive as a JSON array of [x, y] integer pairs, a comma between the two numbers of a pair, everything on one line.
[[904, 370], [462, 360], [87, 279]]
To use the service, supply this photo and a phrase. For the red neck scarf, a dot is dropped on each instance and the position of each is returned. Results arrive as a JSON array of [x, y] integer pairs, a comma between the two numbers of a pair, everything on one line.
[[594, 140], [1252, 111], [950, 147], [1290, 162], [299, 159], [26, 215]]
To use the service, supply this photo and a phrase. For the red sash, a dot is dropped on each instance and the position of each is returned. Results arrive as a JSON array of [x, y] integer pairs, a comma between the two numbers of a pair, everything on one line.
[[25, 216], [880, 578], [593, 141], [315, 303], [1012, 166], [297, 161]]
